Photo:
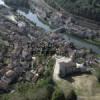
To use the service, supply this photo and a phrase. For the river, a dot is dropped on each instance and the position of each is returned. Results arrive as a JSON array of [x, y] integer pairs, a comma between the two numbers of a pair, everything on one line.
[[34, 18], [81, 43]]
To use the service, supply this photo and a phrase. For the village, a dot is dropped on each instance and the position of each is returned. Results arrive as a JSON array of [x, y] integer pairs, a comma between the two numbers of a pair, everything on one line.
[[25, 50], [21, 45]]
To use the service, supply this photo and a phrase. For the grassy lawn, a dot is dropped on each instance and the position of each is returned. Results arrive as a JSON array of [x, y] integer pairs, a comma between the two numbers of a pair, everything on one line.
[[66, 88]]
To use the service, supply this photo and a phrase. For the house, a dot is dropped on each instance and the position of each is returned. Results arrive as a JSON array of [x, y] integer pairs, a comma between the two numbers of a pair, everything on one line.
[[35, 78], [70, 68], [10, 73], [21, 24], [3, 86], [66, 68]]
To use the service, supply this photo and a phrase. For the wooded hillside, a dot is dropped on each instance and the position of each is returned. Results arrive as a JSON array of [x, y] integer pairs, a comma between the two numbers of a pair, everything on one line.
[[85, 8]]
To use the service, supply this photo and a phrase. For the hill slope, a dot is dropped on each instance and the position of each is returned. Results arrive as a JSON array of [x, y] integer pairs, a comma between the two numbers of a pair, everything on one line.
[[85, 8]]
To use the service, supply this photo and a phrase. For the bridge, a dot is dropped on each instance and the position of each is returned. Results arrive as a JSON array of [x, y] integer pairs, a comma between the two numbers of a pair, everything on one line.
[[58, 29]]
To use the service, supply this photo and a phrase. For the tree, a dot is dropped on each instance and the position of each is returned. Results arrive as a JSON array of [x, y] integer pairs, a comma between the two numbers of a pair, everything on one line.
[[97, 73], [58, 95]]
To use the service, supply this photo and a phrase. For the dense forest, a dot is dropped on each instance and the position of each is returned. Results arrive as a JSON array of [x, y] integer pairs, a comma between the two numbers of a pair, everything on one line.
[[86, 8]]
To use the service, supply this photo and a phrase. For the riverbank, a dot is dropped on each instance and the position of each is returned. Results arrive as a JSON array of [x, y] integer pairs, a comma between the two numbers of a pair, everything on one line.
[[91, 25], [93, 42]]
